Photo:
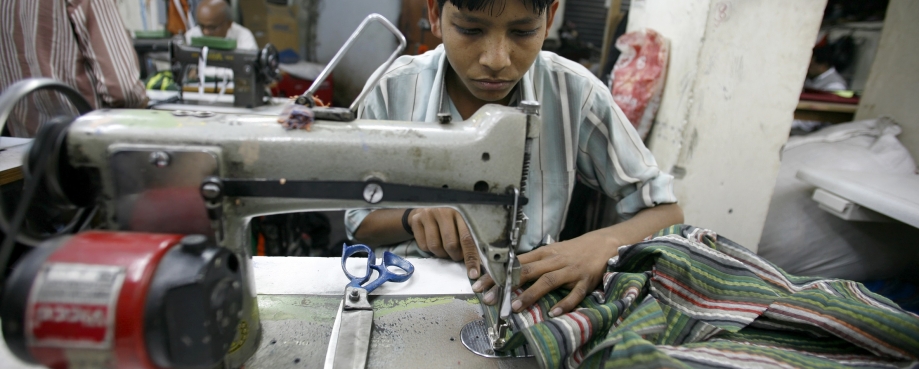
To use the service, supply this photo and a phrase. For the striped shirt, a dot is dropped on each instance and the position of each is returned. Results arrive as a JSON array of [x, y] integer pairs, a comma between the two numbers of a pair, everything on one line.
[[584, 136], [82, 43], [691, 298]]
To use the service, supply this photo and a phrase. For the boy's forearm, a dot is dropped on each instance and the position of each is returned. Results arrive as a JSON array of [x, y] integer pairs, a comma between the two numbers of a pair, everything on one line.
[[382, 227], [643, 224]]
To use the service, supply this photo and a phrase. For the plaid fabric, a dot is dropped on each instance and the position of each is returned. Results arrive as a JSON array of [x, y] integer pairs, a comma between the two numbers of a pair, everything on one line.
[[689, 298]]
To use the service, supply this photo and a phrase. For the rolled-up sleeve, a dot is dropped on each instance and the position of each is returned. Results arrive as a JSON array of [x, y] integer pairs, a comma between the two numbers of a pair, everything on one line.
[[353, 220], [612, 159]]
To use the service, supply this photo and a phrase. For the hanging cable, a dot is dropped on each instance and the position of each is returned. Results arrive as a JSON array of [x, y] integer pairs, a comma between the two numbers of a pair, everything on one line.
[[32, 175]]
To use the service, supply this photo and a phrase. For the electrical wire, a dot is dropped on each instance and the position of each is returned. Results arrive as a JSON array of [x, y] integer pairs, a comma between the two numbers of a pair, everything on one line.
[[33, 180], [32, 176]]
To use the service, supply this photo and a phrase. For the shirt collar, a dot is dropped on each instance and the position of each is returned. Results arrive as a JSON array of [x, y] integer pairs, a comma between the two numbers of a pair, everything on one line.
[[826, 74], [447, 106]]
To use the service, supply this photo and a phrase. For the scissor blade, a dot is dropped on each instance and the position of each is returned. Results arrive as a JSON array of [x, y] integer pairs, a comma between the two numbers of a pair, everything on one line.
[[353, 339], [333, 340]]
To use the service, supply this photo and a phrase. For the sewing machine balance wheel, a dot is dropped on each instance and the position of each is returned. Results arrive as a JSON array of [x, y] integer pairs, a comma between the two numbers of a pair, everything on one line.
[[268, 61]]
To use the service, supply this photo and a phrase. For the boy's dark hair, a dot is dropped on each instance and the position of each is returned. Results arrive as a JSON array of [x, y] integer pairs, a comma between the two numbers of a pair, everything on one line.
[[823, 55], [539, 6]]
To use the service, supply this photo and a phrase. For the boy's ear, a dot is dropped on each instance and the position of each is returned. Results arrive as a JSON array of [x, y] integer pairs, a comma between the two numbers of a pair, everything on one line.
[[551, 14], [434, 18]]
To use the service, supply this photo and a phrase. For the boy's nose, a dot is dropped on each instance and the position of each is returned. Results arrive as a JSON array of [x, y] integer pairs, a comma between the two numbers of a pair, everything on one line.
[[496, 55]]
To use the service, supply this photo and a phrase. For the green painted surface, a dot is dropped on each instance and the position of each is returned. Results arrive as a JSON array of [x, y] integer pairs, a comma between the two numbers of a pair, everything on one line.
[[385, 306], [318, 309]]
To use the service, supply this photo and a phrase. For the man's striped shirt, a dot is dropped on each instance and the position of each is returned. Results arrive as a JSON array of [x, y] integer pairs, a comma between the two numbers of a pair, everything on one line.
[[82, 43]]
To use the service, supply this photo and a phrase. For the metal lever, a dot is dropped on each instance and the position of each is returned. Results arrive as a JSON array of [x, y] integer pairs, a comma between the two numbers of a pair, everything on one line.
[[498, 332], [212, 191], [341, 53]]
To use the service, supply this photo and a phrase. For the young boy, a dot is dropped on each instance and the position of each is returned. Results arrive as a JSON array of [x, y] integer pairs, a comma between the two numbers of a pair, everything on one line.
[[491, 55]]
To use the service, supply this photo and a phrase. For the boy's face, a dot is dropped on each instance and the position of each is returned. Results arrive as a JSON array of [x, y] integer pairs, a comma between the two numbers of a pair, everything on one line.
[[488, 50]]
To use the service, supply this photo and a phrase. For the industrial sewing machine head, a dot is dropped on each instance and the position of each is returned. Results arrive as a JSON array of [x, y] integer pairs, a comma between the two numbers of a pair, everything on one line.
[[253, 70], [160, 175], [145, 47], [159, 172]]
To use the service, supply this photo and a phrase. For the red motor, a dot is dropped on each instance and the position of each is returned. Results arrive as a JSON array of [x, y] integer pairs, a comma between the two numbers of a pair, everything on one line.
[[123, 300]]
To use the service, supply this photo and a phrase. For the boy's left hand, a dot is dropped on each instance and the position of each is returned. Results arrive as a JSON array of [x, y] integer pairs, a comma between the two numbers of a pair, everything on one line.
[[577, 265]]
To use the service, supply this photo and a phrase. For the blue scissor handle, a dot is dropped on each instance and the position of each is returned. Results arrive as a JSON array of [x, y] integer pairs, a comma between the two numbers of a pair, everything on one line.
[[389, 260]]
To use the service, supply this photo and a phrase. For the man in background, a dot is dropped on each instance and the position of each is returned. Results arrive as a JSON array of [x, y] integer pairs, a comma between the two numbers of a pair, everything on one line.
[[82, 43], [821, 74], [215, 19]]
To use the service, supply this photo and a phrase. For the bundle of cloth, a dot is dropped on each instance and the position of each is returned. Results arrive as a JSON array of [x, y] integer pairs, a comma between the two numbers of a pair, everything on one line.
[[689, 298], [803, 239]]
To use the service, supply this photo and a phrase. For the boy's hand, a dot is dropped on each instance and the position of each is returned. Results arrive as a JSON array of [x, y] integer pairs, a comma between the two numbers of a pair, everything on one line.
[[443, 232], [577, 265]]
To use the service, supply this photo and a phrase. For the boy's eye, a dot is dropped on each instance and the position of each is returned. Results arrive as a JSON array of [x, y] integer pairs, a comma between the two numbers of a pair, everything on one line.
[[468, 31], [525, 33]]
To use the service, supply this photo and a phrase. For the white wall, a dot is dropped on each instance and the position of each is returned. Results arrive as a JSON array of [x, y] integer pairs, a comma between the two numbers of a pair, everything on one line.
[[735, 75], [893, 85], [337, 20], [683, 24]]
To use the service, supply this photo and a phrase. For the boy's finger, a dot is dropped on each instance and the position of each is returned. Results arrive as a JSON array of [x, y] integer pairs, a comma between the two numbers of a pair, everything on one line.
[[533, 270], [570, 302], [449, 237], [545, 284], [483, 284], [469, 250], [418, 231], [491, 297], [432, 237]]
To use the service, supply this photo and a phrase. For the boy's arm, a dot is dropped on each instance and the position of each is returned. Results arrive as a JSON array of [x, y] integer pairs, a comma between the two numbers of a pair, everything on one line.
[[612, 159], [579, 264]]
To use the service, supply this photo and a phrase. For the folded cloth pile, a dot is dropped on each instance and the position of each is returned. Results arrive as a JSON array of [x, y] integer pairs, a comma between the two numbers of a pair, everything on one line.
[[690, 298]]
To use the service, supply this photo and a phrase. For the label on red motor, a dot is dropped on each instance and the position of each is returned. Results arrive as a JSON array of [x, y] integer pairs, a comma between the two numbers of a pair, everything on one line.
[[73, 306]]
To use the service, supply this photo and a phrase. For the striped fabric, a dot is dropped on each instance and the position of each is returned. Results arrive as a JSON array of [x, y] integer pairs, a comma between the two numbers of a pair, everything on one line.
[[584, 136], [82, 43], [689, 298]]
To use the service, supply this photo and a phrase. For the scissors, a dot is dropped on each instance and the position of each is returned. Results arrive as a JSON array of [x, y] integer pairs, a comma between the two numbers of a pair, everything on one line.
[[351, 332]]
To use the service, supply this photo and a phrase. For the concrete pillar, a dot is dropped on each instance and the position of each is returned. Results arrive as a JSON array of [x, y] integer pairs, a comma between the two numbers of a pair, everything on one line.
[[735, 76], [894, 80]]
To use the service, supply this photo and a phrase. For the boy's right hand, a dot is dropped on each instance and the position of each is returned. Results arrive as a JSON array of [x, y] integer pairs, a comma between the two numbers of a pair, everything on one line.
[[444, 233]]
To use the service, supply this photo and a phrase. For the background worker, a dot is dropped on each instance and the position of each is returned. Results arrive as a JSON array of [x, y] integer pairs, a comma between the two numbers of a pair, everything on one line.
[[821, 74], [215, 19]]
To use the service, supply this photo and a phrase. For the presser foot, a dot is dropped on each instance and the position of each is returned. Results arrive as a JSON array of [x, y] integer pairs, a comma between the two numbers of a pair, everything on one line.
[[477, 337]]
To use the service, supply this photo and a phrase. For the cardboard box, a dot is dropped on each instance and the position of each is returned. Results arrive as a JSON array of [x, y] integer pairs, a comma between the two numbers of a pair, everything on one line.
[[284, 32], [255, 18]]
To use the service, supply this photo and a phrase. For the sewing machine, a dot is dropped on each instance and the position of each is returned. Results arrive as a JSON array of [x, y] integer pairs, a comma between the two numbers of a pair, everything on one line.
[[152, 176], [253, 70], [146, 46], [160, 172]]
